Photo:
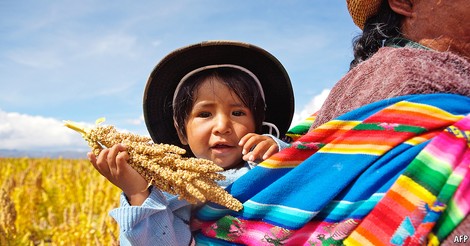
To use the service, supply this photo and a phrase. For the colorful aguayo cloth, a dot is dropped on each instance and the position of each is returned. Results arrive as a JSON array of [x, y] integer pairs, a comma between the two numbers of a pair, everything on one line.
[[395, 172]]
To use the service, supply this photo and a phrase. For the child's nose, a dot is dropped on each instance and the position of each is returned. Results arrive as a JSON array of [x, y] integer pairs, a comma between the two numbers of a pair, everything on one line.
[[222, 125]]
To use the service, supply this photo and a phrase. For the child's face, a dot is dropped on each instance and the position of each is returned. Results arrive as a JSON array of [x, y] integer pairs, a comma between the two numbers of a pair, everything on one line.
[[216, 124]]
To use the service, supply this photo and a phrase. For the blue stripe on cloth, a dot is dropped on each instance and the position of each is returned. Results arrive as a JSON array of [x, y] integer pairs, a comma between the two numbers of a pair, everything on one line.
[[320, 170], [290, 217], [214, 212], [337, 211]]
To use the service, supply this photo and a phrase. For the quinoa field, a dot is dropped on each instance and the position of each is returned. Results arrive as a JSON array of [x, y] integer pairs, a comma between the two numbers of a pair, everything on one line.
[[55, 202]]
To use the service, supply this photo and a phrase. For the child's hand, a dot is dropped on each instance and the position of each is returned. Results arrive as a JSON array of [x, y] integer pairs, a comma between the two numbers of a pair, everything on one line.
[[112, 164], [262, 147]]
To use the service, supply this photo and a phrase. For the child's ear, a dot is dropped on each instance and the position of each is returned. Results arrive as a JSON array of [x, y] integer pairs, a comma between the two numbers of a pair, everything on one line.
[[182, 138]]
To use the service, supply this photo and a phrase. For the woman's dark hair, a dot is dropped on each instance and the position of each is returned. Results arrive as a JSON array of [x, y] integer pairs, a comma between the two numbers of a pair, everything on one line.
[[239, 82], [377, 28]]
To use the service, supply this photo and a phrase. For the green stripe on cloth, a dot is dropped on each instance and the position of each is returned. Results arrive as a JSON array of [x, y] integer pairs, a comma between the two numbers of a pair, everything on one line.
[[450, 218], [399, 128], [428, 178]]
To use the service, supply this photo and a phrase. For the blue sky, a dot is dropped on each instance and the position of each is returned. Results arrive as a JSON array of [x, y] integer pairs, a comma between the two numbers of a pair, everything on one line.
[[81, 60]]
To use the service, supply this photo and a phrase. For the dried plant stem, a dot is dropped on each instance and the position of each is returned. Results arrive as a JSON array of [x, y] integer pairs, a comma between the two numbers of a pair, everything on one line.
[[163, 166]]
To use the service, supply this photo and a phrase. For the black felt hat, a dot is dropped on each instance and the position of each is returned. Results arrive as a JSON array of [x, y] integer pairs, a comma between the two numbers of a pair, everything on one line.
[[165, 77]]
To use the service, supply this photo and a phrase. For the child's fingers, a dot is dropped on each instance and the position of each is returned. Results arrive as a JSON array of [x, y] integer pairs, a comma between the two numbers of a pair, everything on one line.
[[121, 147], [91, 158], [271, 151], [103, 157], [244, 139], [247, 156], [100, 162], [257, 147], [122, 156], [259, 150], [111, 158], [247, 142], [117, 158]]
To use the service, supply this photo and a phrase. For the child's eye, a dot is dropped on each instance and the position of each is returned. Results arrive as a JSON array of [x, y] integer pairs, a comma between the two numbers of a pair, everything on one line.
[[238, 113], [203, 114]]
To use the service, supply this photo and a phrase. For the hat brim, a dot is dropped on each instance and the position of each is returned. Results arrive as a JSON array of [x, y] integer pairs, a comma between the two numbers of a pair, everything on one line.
[[163, 80], [361, 10]]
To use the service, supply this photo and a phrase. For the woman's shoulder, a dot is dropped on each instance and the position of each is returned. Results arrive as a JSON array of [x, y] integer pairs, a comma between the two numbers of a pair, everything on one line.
[[411, 64], [409, 54]]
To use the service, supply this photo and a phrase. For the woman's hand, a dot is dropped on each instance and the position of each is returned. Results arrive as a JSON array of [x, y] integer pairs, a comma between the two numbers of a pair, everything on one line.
[[257, 147], [112, 164]]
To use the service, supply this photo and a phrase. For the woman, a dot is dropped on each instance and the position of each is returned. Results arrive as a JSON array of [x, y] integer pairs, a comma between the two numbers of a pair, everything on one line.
[[386, 159], [422, 25]]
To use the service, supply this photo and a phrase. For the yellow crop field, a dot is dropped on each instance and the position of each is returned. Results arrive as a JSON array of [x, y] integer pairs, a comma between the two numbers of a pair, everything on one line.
[[55, 202]]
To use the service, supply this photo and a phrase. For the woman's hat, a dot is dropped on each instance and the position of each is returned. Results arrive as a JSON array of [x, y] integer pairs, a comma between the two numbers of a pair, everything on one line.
[[167, 74], [360, 10]]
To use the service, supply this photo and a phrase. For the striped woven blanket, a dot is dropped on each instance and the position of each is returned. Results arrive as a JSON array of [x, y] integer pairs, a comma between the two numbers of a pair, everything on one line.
[[394, 172]]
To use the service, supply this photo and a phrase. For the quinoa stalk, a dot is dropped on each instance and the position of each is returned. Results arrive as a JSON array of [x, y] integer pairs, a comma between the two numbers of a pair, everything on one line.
[[162, 165]]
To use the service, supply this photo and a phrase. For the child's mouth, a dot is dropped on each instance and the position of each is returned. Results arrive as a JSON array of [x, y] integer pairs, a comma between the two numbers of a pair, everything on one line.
[[220, 146]]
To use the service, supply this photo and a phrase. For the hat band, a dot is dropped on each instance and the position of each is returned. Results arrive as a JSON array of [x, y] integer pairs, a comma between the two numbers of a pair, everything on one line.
[[271, 128], [252, 75]]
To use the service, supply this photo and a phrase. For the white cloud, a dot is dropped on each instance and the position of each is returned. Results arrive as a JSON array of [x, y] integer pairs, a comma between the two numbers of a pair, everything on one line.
[[37, 133], [39, 59], [26, 132], [311, 107], [136, 121], [112, 44]]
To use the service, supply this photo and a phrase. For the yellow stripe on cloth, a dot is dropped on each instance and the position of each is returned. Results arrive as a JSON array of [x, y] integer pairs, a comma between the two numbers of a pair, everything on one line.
[[274, 164], [414, 192], [369, 149], [339, 124], [356, 239], [425, 109], [421, 138]]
